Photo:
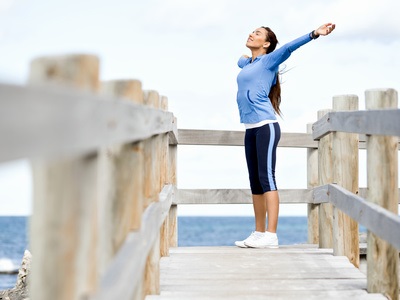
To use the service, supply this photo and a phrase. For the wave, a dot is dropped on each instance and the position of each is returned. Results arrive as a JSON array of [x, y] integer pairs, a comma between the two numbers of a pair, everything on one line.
[[7, 266]]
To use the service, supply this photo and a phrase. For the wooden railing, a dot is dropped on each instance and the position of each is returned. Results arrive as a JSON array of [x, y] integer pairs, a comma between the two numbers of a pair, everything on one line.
[[337, 132], [336, 204], [103, 158]]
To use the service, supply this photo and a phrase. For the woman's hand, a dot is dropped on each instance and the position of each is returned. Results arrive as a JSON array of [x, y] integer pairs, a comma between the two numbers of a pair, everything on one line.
[[324, 29]]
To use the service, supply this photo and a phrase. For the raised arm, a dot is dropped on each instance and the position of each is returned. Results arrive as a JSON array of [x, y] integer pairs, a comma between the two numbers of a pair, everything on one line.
[[280, 55]]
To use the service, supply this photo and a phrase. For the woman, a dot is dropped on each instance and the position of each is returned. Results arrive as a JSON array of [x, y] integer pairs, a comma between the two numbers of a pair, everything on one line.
[[258, 100]]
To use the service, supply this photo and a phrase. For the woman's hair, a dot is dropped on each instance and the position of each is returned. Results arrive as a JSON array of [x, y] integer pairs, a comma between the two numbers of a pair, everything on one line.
[[275, 91]]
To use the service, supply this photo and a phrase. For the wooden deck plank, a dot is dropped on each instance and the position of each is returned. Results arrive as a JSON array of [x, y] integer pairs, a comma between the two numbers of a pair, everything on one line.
[[298, 295], [290, 272]]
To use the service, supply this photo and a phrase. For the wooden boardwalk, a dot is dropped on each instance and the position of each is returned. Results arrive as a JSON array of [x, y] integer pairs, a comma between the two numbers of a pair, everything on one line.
[[290, 272]]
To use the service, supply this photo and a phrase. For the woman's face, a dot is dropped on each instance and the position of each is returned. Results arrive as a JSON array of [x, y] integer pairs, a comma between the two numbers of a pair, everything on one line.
[[257, 39]]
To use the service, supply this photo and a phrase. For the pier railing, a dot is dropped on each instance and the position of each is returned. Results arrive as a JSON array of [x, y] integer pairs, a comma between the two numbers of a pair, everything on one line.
[[337, 132], [103, 158], [336, 203]]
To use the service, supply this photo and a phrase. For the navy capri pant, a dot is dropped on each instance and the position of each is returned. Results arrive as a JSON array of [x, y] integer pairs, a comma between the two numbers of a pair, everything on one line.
[[260, 147]]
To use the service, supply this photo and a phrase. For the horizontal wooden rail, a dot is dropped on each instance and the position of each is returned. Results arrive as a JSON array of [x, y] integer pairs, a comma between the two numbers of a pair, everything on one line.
[[380, 221], [364, 122], [236, 138], [243, 196], [48, 121], [236, 196], [124, 275]]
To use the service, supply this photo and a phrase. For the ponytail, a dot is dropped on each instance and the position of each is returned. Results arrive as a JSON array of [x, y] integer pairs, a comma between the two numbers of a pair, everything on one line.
[[275, 91], [275, 95]]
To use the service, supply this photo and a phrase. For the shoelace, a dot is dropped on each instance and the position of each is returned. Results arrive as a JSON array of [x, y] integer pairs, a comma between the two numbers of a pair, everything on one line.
[[256, 236]]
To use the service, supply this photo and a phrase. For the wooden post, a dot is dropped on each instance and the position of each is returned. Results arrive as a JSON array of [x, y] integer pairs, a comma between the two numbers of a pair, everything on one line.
[[164, 232], [76, 71], [64, 220], [152, 270], [122, 192], [312, 181], [325, 176], [172, 178], [382, 182], [345, 174], [152, 189], [151, 166]]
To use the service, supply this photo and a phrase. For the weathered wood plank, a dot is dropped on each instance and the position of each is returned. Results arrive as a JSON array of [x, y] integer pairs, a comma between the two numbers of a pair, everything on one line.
[[236, 196], [380, 221], [236, 138], [173, 136], [173, 211], [382, 182], [312, 181], [290, 272], [243, 196], [59, 122], [266, 294], [345, 174], [124, 275], [120, 181], [64, 219], [363, 122], [325, 176]]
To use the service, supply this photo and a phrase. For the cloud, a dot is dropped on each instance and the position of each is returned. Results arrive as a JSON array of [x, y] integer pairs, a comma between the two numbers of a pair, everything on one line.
[[5, 5], [183, 16], [377, 21]]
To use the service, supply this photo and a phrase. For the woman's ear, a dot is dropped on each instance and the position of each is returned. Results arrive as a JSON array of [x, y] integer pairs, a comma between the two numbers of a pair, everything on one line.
[[266, 45]]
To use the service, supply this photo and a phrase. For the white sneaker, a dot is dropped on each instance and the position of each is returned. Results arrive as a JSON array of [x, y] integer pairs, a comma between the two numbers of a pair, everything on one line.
[[268, 240], [253, 236]]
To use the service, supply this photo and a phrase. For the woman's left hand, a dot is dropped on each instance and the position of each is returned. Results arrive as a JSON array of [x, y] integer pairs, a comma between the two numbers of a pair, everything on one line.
[[325, 29]]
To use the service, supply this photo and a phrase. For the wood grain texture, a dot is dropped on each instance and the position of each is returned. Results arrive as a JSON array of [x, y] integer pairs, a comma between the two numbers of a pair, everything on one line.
[[312, 181], [120, 181], [64, 220], [363, 122], [124, 276], [237, 196], [325, 176], [60, 122], [173, 212], [376, 219], [236, 138], [290, 272], [382, 182], [243, 196], [345, 174], [78, 71]]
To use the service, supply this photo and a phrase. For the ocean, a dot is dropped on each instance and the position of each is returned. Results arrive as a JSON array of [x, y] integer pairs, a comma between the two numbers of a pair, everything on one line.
[[192, 231], [13, 242]]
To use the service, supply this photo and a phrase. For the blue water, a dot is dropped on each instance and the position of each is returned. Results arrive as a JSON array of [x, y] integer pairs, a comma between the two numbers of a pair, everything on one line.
[[224, 231], [192, 231], [13, 242]]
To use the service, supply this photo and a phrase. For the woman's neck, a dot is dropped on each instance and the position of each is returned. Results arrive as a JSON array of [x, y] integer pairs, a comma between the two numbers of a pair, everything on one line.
[[256, 52]]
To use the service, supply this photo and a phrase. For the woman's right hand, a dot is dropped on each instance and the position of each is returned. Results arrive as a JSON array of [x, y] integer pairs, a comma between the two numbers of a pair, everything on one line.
[[324, 29]]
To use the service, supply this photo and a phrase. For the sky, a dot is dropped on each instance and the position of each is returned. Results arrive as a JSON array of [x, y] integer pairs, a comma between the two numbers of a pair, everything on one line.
[[188, 51]]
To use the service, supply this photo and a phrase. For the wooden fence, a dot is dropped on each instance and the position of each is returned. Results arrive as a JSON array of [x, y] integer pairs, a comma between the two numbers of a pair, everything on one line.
[[104, 166], [103, 158], [336, 204]]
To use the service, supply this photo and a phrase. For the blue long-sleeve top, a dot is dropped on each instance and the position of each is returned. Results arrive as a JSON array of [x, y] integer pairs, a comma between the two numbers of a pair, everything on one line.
[[256, 79]]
